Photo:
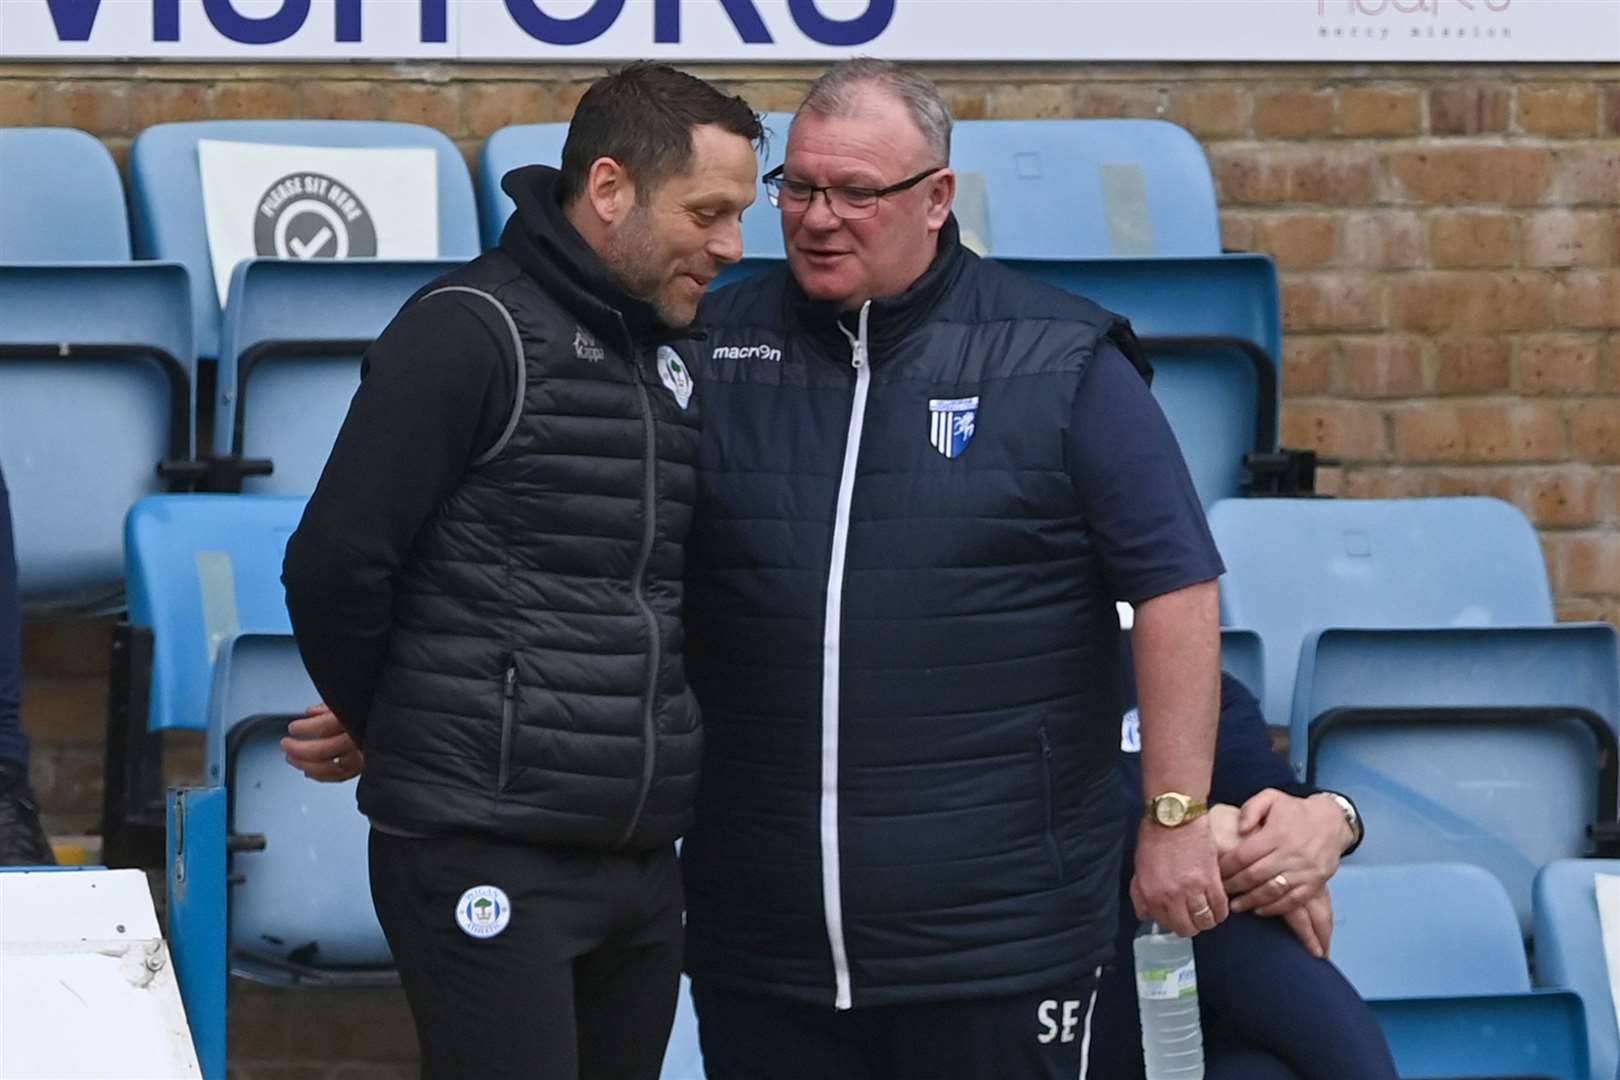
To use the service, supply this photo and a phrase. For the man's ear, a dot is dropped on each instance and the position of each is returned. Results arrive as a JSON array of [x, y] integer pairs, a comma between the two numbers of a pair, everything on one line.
[[941, 197], [609, 190]]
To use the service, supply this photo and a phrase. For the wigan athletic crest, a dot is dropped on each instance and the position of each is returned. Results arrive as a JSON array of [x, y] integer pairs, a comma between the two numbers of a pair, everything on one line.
[[950, 424], [483, 911], [672, 370]]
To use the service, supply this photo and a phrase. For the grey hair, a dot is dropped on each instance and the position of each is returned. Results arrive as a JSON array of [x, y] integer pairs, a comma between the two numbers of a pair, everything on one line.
[[837, 94]]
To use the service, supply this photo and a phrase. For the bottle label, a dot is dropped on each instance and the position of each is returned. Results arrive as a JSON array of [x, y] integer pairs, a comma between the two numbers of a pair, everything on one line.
[[1167, 984]]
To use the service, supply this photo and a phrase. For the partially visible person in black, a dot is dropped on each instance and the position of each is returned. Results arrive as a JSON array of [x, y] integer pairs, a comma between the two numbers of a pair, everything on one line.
[[486, 588], [22, 839], [1273, 1007]]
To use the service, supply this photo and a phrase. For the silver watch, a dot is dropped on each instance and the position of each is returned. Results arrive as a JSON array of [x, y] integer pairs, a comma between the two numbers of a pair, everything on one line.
[[1351, 816]]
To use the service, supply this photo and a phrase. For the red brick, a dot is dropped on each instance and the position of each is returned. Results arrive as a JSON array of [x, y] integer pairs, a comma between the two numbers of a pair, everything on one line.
[[1381, 111], [1331, 302], [1309, 364], [1339, 176], [99, 107], [1477, 302], [492, 106], [1566, 497], [1237, 232], [167, 102], [1211, 111], [1448, 175], [1473, 433], [1383, 367], [259, 101], [1577, 609], [1594, 428], [1477, 239], [63, 711], [1344, 431], [1557, 364], [965, 102], [1032, 101], [1471, 366], [22, 103], [1558, 110], [1380, 483], [1382, 239], [1468, 109], [1588, 174], [1590, 299], [340, 100], [1611, 109], [1107, 102], [67, 647], [1591, 563], [1295, 113], [434, 105], [1297, 241], [1568, 238]]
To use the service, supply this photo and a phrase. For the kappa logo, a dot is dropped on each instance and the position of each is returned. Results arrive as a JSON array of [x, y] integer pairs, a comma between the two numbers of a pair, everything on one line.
[[951, 424], [483, 911], [309, 216], [747, 352], [586, 347], [672, 370]]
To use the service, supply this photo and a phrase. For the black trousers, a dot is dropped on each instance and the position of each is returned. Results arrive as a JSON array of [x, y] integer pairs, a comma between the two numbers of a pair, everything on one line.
[[1033, 1036], [567, 969]]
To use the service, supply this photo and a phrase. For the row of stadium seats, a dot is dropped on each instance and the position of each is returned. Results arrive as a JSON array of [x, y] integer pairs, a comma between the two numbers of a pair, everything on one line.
[[1066, 198], [1436, 944]]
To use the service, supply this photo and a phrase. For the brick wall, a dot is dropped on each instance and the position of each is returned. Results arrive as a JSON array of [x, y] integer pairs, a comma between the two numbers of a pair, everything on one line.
[[1450, 244]]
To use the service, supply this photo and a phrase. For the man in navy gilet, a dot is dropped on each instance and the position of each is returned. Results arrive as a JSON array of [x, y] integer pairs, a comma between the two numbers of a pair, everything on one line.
[[923, 483]]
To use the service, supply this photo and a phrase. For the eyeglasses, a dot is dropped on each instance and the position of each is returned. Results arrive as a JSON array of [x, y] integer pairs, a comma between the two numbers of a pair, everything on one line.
[[848, 203]]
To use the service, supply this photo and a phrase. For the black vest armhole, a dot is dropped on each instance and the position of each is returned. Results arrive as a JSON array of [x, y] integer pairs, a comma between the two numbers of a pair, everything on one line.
[[1124, 338], [521, 383]]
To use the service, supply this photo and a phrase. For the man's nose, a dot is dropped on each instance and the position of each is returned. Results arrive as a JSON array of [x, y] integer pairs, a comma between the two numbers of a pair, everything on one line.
[[819, 214], [726, 245]]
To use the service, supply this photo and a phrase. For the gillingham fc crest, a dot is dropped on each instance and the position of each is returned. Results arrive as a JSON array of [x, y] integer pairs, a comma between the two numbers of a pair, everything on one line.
[[951, 423], [483, 911]]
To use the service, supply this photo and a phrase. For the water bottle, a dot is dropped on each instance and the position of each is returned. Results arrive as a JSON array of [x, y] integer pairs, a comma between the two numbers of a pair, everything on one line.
[[1167, 997]]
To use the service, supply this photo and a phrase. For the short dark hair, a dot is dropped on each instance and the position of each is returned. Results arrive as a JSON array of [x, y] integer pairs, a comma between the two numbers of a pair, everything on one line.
[[642, 116]]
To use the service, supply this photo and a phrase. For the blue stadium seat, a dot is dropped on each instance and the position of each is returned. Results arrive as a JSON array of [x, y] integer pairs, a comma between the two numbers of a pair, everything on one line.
[[1297, 565], [1569, 949], [293, 358], [542, 144], [314, 337], [1243, 657], [166, 187], [1446, 738], [1059, 189], [96, 366], [63, 199], [1213, 329], [1540, 1034], [1436, 951], [301, 911], [202, 569], [1425, 930]]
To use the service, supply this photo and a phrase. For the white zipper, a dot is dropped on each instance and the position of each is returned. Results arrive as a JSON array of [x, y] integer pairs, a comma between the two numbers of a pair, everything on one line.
[[832, 899]]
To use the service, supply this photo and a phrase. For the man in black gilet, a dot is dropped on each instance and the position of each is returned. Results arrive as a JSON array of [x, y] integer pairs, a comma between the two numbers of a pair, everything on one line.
[[486, 588]]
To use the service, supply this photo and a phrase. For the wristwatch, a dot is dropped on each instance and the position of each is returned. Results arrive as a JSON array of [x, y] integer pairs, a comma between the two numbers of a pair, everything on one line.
[[1173, 808], [1352, 817]]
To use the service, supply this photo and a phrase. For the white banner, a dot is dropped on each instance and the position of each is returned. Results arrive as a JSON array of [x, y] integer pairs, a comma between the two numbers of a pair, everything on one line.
[[781, 30], [313, 202]]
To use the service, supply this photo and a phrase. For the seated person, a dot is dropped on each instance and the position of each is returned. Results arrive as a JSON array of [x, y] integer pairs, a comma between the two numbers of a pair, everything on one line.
[[1273, 1007], [22, 840]]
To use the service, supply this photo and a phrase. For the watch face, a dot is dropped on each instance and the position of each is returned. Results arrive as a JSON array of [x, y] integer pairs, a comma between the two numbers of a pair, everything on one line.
[[1169, 812]]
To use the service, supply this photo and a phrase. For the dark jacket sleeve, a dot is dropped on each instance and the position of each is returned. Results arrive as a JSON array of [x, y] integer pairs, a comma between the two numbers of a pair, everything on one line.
[[436, 391], [1245, 763], [11, 737]]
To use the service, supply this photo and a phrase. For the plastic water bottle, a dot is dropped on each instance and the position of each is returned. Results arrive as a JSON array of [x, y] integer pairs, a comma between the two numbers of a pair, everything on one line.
[[1167, 996]]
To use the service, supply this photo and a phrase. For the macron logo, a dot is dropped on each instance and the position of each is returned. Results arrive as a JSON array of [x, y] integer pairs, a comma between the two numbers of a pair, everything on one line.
[[747, 352]]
